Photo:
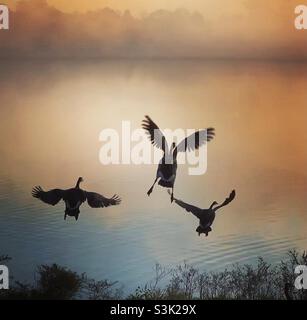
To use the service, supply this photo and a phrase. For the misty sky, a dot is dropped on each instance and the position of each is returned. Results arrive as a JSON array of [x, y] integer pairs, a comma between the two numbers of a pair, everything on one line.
[[215, 7], [174, 28]]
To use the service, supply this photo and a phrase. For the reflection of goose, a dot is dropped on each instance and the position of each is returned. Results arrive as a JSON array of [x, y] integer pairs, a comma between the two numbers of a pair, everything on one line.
[[205, 216], [168, 164], [73, 198]]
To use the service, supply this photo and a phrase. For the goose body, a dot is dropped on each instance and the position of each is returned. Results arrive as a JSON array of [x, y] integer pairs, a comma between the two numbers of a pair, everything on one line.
[[167, 169], [206, 216], [166, 174], [74, 198]]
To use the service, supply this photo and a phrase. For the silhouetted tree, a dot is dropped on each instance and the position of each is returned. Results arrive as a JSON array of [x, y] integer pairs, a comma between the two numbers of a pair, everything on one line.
[[58, 283], [262, 281]]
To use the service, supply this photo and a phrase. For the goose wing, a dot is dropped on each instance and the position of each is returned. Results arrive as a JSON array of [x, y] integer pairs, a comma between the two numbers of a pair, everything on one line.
[[51, 197], [96, 200], [197, 212], [227, 200], [155, 134], [230, 198], [195, 140]]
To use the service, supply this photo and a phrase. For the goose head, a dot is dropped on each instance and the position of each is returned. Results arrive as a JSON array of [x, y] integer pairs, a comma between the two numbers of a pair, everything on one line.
[[80, 179], [213, 204]]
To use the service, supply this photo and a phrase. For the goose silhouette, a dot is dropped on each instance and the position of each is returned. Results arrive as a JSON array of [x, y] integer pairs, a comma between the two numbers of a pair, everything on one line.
[[205, 216], [74, 198], [166, 173]]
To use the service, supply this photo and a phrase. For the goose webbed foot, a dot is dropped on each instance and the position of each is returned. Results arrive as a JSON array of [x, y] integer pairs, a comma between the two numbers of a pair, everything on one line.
[[149, 192]]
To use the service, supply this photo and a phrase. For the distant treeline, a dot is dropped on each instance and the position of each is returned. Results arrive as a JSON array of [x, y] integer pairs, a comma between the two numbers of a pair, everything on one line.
[[262, 281]]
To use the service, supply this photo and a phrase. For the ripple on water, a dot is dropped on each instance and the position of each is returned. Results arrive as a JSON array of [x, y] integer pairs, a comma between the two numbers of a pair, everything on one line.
[[125, 245]]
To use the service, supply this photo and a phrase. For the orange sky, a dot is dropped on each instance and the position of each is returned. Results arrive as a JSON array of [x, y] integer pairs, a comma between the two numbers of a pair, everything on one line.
[[217, 7], [139, 6]]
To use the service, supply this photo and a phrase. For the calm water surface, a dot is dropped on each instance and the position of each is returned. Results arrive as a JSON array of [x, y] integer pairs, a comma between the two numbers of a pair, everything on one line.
[[51, 115]]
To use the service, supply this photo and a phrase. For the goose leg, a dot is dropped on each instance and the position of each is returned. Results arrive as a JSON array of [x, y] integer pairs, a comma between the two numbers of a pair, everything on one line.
[[150, 190], [172, 195], [65, 216]]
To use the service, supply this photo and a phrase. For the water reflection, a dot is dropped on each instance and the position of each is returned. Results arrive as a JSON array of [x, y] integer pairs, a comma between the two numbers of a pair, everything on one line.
[[51, 117]]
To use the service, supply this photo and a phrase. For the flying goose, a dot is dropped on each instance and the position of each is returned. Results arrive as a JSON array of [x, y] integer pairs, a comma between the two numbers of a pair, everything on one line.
[[74, 198], [205, 216], [168, 164]]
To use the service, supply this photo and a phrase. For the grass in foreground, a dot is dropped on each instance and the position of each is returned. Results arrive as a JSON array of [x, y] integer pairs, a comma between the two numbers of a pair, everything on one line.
[[247, 282]]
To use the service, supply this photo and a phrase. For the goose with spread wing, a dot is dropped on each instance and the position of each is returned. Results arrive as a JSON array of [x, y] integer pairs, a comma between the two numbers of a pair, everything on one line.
[[74, 198], [205, 216], [166, 173]]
